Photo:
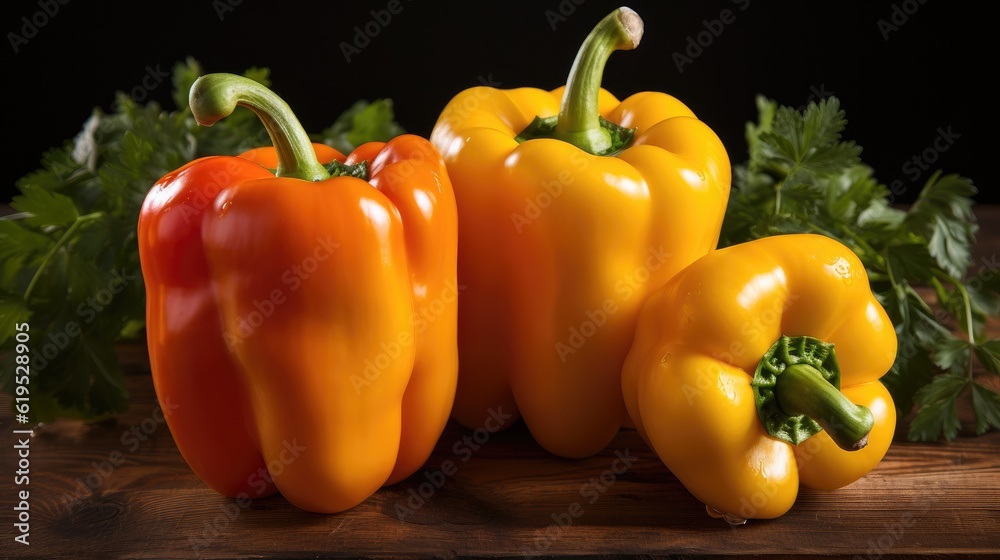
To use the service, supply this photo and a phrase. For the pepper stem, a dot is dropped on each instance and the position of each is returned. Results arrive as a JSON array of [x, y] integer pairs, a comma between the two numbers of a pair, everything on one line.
[[215, 96], [801, 389], [579, 122], [797, 392]]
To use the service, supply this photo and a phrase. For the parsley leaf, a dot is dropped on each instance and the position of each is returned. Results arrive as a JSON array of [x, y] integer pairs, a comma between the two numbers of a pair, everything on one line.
[[362, 122], [937, 410], [44, 208], [943, 213], [911, 260], [989, 355], [986, 404], [13, 311], [952, 354], [806, 143]]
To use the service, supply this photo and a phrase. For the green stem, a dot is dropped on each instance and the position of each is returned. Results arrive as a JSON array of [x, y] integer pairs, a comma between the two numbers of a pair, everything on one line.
[[214, 96], [579, 121], [816, 229], [801, 389], [969, 322], [66, 237], [866, 247], [970, 373]]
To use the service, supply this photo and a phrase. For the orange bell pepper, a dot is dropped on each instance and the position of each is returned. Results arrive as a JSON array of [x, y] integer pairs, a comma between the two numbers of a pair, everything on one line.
[[287, 311]]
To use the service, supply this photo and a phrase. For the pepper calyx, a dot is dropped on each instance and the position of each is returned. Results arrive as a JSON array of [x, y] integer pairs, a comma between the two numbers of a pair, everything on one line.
[[543, 127], [337, 169], [797, 392]]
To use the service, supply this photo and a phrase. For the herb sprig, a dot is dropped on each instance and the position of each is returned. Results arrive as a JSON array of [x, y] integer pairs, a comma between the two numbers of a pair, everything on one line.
[[69, 263], [801, 176]]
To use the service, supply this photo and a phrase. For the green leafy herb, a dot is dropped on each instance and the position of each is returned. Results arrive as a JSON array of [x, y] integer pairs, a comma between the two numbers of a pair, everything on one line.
[[362, 122], [801, 176], [69, 264]]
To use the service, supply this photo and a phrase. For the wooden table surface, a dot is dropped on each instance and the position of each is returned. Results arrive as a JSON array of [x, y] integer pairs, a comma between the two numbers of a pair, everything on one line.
[[120, 489]]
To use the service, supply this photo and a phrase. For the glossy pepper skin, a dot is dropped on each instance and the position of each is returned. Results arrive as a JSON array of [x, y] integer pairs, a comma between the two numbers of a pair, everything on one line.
[[559, 245], [283, 312], [699, 341]]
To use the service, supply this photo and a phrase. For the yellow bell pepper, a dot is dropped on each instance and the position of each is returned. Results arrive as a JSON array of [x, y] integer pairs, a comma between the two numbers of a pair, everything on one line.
[[757, 368], [572, 206]]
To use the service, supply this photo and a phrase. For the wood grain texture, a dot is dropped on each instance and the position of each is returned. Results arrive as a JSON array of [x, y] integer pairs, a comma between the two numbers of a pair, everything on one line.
[[922, 499], [98, 491]]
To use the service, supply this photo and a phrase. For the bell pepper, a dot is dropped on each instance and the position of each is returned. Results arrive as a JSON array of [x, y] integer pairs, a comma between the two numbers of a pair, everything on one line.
[[572, 207], [302, 321], [756, 369]]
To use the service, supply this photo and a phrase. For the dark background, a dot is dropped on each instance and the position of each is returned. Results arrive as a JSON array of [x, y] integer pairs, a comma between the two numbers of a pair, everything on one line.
[[899, 93]]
